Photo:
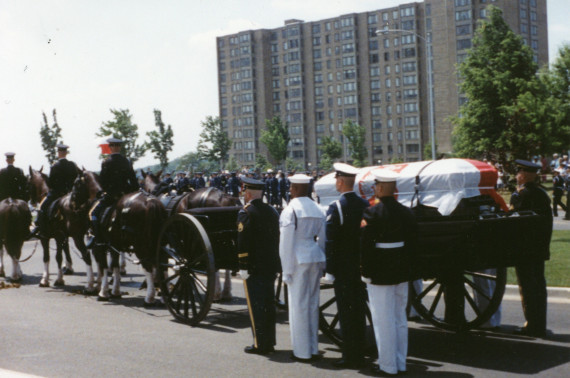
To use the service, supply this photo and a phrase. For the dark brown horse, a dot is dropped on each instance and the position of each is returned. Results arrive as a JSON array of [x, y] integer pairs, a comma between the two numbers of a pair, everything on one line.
[[69, 221], [15, 220], [150, 180], [133, 226]]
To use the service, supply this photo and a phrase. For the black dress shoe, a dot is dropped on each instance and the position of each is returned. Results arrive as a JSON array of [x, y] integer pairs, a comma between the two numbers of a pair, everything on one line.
[[253, 350], [381, 373], [299, 359], [526, 331]]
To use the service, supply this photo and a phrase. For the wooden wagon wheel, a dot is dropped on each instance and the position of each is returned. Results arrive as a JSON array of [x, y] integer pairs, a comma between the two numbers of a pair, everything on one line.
[[185, 262], [449, 301], [329, 321]]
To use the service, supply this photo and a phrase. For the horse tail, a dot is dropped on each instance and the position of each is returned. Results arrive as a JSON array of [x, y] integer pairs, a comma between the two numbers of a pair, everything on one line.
[[16, 220]]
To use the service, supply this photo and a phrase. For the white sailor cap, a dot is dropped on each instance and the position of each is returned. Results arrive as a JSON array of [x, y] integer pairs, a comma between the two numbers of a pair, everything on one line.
[[384, 175], [300, 178], [343, 169]]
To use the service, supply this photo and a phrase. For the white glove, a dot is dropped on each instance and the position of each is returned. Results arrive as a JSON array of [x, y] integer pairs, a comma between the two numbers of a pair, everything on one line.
[[287, 279], [366, 280], [329, 278], [244, 274]]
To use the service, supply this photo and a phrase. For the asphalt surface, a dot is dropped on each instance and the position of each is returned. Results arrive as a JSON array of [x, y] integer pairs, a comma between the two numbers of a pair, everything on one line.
[[59, 332]]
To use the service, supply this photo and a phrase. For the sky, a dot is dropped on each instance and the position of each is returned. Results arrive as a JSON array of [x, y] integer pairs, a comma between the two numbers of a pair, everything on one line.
[[84, 57]]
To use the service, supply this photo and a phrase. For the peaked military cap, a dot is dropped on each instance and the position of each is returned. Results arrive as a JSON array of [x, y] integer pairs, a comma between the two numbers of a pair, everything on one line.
[[300, 178], [343, 169], [384, 175], [10, 154], [113, 140], [253, 184], [62, 146], [527, 166]]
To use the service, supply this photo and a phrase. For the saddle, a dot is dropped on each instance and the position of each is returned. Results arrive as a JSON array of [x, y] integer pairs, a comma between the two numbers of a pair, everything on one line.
[[54, 212]]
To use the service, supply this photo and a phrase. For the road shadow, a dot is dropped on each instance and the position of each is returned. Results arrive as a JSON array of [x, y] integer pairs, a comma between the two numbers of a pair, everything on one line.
[[500, 352]]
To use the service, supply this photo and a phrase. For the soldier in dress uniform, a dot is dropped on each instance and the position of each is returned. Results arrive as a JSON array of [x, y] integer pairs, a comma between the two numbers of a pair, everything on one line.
[[343, 265], [530, 275], [183, 185], [388, 241], [557, 193], [61, 177], [258, 253], [233, 185], [199, 181], [301, 248], [117, 178], [13, 183]]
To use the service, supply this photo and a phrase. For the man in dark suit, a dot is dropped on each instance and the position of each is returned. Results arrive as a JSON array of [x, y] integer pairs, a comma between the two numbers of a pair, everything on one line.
[[60, 182], [343, 263], [530, 275], [258, 253], [12, 180], [117, 178]]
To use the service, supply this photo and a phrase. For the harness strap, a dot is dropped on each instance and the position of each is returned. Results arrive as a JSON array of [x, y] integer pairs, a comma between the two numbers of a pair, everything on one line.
[[204, 196], [417, 186]]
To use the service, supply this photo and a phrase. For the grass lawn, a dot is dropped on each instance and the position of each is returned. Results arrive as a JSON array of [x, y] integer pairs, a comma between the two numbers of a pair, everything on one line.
[[558, 266]]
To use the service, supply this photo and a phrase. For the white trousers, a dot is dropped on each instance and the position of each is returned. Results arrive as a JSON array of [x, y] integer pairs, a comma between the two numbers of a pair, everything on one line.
[[388, 309], [304, 309], [488, 287]]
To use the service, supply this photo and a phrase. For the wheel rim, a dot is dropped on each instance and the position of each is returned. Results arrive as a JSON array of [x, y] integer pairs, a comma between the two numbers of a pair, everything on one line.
[[186, 269], [460, 301]]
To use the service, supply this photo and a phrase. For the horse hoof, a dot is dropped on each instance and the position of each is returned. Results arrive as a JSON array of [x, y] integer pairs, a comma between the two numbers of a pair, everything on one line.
[[58, 283], [155, 304], [44, 284], [115, 296], [67, 272], [123, 272], [102, 299]]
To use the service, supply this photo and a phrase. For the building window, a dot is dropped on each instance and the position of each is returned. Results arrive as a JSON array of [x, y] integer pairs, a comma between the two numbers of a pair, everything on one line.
[[374, 71], [374, 58], [376, 124], [463, 44], [462, 3], [407, 12], [409, 52], [463, 30], [316, 28], [463, 15], [375, 97], [372, 18], [412, 148], [373, 45]]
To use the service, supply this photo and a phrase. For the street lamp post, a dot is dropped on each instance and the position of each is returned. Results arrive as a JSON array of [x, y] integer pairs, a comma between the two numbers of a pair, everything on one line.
[[430, 83]]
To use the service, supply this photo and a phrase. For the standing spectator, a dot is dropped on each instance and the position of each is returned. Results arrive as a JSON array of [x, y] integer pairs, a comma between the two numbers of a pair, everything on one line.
[[343, 263], [557, 193], [183, 185], [388, 241], [283, 187], [301, 248], [530, 274], [567, 174], [258, 252]]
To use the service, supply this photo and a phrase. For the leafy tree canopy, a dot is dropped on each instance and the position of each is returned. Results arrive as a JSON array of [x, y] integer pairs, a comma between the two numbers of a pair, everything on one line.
[[50, 136], [276, 138], [355, 134], [160, 141], [122, 127], [214, 143]]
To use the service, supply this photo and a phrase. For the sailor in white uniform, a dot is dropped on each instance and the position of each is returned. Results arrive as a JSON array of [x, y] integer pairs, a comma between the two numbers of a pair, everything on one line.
[[388, 243], [301, 248]]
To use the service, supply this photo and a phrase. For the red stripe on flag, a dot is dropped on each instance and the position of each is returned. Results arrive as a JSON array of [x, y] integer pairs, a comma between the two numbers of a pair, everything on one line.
[[489, 176], [105, 149]]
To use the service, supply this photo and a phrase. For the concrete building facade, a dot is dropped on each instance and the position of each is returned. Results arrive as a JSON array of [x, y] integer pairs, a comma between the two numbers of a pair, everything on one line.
[[369, 67]]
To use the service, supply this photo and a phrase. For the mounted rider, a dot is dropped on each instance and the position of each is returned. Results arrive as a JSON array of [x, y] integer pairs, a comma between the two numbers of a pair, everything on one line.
[[117, 178], [12, 180], [61, 177]]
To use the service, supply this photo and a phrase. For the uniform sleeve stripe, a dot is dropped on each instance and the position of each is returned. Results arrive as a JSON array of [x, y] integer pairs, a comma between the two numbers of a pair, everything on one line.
[[243, 255]]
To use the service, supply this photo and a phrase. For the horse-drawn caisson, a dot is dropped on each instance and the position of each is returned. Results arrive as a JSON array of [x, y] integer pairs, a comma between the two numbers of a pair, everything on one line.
[[467, 239]]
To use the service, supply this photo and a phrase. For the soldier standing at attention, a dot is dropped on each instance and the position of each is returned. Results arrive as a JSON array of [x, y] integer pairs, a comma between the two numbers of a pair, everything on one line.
[[343, 265], [12, 180], [388, 240], [530, 274], [61, 177], [557, 193], [258, 253], [301, 248]]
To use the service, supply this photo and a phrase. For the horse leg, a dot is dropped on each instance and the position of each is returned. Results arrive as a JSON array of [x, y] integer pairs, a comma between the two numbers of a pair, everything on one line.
[[116, 289], [217, 287], [61, 245], [100, 254], [2, 272], [80, 244], [123, 264], [16, 270], [227, 292], [150, 289], [68, 266], [44, 282]]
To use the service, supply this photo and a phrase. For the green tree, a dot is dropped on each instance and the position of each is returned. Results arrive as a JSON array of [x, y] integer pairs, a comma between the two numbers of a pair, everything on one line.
[[122, 127], [214, 143], [50, 136], [261, 162], [232, 165], [498, 69], [160, 142], [276, 138], [325, 163], [332, 148], [355, 135], [292, 165]]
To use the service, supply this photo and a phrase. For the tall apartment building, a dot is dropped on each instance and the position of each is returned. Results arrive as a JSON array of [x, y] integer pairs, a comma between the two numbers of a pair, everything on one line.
[[369, 67]]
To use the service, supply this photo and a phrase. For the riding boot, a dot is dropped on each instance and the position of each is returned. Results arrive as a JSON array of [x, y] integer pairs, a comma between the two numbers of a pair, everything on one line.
[[38, 229], [96, 237]]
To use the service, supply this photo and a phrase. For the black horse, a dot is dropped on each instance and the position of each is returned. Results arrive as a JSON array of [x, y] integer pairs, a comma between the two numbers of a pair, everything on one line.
[[15, 220]]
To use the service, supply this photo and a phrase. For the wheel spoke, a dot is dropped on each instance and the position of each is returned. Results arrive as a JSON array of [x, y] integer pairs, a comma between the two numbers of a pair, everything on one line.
[[478, 289], [427, 290], [435, 300], [335, 321], [170, 278], [482, 275], [471, 302], [327, 304], [197, 279], [172, 253], [187, 294], [174, 289], [197, 260]]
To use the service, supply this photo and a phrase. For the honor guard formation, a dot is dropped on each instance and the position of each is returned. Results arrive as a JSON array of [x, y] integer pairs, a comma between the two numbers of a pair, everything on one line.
[[352, 243]]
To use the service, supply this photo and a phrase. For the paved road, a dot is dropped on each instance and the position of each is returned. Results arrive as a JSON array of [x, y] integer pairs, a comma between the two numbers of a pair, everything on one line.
[[60, 333]]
